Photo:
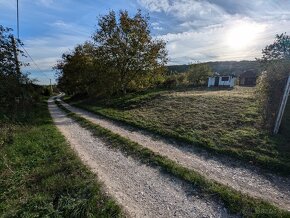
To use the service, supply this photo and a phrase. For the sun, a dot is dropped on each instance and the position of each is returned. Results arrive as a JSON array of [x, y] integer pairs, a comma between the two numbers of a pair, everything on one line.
[[242, 35]]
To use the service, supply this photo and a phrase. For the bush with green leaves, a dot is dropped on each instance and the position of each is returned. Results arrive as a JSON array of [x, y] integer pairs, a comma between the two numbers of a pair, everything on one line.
[[275, 63], [199, 73]]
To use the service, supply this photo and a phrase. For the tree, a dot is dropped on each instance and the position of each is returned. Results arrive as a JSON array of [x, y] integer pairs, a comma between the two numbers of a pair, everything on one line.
[[122, 56], [275, 63], [76, 69], [199, 73], [127, 50], [279, 50], [14, 84]]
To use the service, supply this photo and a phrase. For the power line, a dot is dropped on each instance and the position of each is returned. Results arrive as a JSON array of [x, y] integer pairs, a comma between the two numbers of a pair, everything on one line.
[[19, 38], [36, 65], [40, 71], [22, 44], [30, 57]]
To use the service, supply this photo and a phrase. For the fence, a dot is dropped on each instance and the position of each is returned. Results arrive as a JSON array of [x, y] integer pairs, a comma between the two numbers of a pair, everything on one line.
[[282, 106]]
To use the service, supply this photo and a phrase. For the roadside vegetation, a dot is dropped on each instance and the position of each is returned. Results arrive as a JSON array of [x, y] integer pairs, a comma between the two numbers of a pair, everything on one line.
[[275, 63], [41, 176], [222, 121], [17, 92], [234, 201]]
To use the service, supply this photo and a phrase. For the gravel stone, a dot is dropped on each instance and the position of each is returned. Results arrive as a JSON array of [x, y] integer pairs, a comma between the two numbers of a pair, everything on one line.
[[143, 191], [236, 174]]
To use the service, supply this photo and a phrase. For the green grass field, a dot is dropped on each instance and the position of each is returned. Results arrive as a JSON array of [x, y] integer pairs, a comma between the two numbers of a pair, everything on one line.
[[222, 121], [40, 176]]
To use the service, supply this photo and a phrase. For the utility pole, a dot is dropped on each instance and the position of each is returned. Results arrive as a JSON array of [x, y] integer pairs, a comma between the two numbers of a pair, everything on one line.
[[282, 106], [18, 74], [15, 56], [14, 43], [17, 19], [50, 85]]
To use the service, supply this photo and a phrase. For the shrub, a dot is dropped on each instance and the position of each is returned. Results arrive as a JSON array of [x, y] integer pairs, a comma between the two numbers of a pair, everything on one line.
[[276, 64]]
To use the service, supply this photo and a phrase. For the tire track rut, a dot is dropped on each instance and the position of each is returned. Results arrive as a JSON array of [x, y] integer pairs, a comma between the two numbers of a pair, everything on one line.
[[247, 179], [143, 191]]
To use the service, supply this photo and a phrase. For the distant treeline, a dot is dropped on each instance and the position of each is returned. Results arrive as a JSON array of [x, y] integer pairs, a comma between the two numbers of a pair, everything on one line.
[[222, 67]]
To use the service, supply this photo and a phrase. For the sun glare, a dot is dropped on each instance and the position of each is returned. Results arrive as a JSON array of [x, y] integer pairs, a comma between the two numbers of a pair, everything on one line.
[[243, 35]]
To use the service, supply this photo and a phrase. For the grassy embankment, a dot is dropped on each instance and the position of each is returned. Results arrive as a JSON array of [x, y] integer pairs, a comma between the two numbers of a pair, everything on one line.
[[233, 200], [221, 121], [40, 176]]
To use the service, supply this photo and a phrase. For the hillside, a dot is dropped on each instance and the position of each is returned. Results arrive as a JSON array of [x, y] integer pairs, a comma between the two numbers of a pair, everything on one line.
[[222, 67]]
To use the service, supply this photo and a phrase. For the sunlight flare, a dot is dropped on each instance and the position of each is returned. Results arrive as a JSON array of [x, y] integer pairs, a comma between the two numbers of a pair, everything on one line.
[[243, 35]]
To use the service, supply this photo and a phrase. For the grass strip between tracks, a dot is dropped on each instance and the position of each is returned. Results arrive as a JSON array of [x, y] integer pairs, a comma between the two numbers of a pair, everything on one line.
[[233, 200]]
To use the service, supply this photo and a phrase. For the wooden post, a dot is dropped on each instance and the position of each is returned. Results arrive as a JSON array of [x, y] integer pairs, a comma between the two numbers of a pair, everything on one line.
[[282, 107]]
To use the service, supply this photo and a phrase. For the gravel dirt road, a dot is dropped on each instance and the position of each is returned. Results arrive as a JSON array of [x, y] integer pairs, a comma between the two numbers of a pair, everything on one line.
[[242, 177], [143, 191]]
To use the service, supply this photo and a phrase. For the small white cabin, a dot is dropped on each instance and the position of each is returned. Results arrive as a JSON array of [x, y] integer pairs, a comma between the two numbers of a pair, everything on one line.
[[225, 81]]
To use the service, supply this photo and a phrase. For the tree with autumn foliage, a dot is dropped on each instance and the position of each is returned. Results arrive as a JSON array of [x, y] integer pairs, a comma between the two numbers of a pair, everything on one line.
[[128, 50], [122, 56]]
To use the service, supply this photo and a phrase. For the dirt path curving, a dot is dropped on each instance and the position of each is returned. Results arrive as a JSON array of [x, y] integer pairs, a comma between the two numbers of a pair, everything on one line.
[[143, 191], [235, 174]]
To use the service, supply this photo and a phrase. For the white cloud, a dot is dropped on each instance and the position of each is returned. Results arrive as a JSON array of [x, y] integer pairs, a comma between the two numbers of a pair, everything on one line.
[[184, 9], [155, 6], [211, 43], [217, 30], [156, 26], [59, 23], [46, 51], [72, 29], [46, 3]]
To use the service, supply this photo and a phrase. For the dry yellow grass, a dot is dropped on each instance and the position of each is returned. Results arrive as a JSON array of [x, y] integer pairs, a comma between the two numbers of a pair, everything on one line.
[[226, 121]]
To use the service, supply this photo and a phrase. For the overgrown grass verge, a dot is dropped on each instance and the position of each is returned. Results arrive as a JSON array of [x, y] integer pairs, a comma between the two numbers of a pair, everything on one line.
[[41, 176], [234, 201], [223, 122]]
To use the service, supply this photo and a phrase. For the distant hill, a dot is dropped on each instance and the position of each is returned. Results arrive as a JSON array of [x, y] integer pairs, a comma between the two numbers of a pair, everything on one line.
[[222, 67]]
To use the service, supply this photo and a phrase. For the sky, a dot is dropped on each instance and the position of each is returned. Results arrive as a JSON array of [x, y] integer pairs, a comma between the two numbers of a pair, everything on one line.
[[195, 30]]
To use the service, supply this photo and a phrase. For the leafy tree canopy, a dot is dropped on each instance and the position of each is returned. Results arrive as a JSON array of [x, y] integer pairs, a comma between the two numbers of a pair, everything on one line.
[[279, 50], [199, 73], [122, 56]]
